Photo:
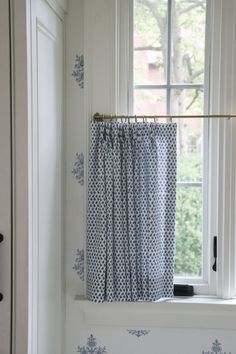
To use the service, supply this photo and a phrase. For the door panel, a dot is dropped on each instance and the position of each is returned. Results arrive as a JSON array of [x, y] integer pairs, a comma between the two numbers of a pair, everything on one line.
[[5, 181], [47, 180]]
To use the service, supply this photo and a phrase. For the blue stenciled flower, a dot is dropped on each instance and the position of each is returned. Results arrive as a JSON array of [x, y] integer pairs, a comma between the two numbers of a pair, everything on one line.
[[78, 72], [79, 263], [78, 169], [138, 333], [91, 347], [215, 349]]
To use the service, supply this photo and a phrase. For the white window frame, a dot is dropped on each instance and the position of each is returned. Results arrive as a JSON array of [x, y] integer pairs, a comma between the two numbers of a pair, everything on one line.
[[221, 91]]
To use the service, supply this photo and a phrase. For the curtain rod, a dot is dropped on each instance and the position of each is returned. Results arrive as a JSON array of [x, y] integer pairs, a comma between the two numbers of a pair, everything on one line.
[[98, 116]]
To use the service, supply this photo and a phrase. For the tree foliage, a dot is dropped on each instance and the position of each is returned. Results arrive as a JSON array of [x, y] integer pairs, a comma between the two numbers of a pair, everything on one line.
[[187, 66], [188, 256]]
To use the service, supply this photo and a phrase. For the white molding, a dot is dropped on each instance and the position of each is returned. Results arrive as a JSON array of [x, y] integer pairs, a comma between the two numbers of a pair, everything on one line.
[[223, 101], [5, 179], [20, 109], [124, 37], [196, 313], [59, 8], [43, 21], [44, 30]]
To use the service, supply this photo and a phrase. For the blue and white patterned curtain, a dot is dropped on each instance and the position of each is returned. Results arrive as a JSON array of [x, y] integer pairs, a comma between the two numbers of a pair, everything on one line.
[[131, 211]]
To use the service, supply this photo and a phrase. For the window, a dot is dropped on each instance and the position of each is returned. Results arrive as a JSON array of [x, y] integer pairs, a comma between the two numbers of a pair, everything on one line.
[[113, 54], [168, 78]]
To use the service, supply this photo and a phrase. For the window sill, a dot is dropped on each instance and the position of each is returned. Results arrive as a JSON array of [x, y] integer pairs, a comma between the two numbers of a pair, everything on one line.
[[195, 312]]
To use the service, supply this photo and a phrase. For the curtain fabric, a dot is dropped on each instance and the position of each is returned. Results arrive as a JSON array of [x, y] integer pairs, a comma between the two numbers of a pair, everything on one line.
[[131, 211]]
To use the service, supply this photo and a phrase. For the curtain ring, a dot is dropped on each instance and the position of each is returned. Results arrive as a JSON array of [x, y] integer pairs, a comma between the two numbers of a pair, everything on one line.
[[143, 119], [135, 117]]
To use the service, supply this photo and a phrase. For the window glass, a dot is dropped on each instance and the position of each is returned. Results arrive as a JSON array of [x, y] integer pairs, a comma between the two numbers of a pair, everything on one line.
[[186, 101], [150, 102], [187, 41], [168, 70], [150, 37], [189, 203]]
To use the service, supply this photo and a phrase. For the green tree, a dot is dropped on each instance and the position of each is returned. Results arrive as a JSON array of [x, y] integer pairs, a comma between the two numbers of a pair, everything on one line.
[[188, 258], [187, 66], [187, 59]]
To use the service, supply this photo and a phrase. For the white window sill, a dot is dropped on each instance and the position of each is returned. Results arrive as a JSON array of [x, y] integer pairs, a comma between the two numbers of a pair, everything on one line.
[[195, 312]]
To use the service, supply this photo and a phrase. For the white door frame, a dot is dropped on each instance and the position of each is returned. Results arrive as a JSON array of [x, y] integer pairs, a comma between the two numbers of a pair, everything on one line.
[[5, 180], [20, 112], [21, 107]]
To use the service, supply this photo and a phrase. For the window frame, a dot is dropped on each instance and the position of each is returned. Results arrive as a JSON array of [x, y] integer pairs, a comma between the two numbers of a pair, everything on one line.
[[221, 90], [201, 284], [107, 47]]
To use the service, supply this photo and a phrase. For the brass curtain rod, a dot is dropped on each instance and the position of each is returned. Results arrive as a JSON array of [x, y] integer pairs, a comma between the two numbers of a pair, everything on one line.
[[98, 116]]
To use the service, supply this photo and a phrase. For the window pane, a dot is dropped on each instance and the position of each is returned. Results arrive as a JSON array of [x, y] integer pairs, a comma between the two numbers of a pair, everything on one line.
[[189, 150], [188, 41], [149, 102], [189, 202], [186, 101], [150, 38], [184, 56], [189, 215]]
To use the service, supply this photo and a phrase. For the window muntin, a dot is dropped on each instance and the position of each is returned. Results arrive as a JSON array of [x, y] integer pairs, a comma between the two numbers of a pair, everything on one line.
[[168, 70]]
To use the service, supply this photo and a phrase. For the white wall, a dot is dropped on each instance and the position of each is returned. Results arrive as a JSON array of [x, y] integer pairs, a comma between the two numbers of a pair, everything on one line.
[[76, 141], [90, 31]]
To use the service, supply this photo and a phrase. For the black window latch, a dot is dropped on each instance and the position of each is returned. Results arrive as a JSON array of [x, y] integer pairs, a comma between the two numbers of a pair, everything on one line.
[[214, 267]]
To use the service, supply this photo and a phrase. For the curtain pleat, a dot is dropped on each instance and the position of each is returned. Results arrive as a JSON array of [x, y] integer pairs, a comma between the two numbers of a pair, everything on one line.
[[131, 211]]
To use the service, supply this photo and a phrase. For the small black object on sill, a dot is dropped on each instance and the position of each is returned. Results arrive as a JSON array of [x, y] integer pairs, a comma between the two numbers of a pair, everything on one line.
[[183, 290]]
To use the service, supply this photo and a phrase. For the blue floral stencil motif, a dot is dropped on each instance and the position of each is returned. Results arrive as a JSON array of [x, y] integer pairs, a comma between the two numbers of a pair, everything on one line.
[[91, 347], [78, 169], [78, 72], [215, 349], [79, 263], [138, 333]]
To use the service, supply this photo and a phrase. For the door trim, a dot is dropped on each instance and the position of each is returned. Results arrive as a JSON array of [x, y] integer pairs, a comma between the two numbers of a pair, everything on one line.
[[19, 33]]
